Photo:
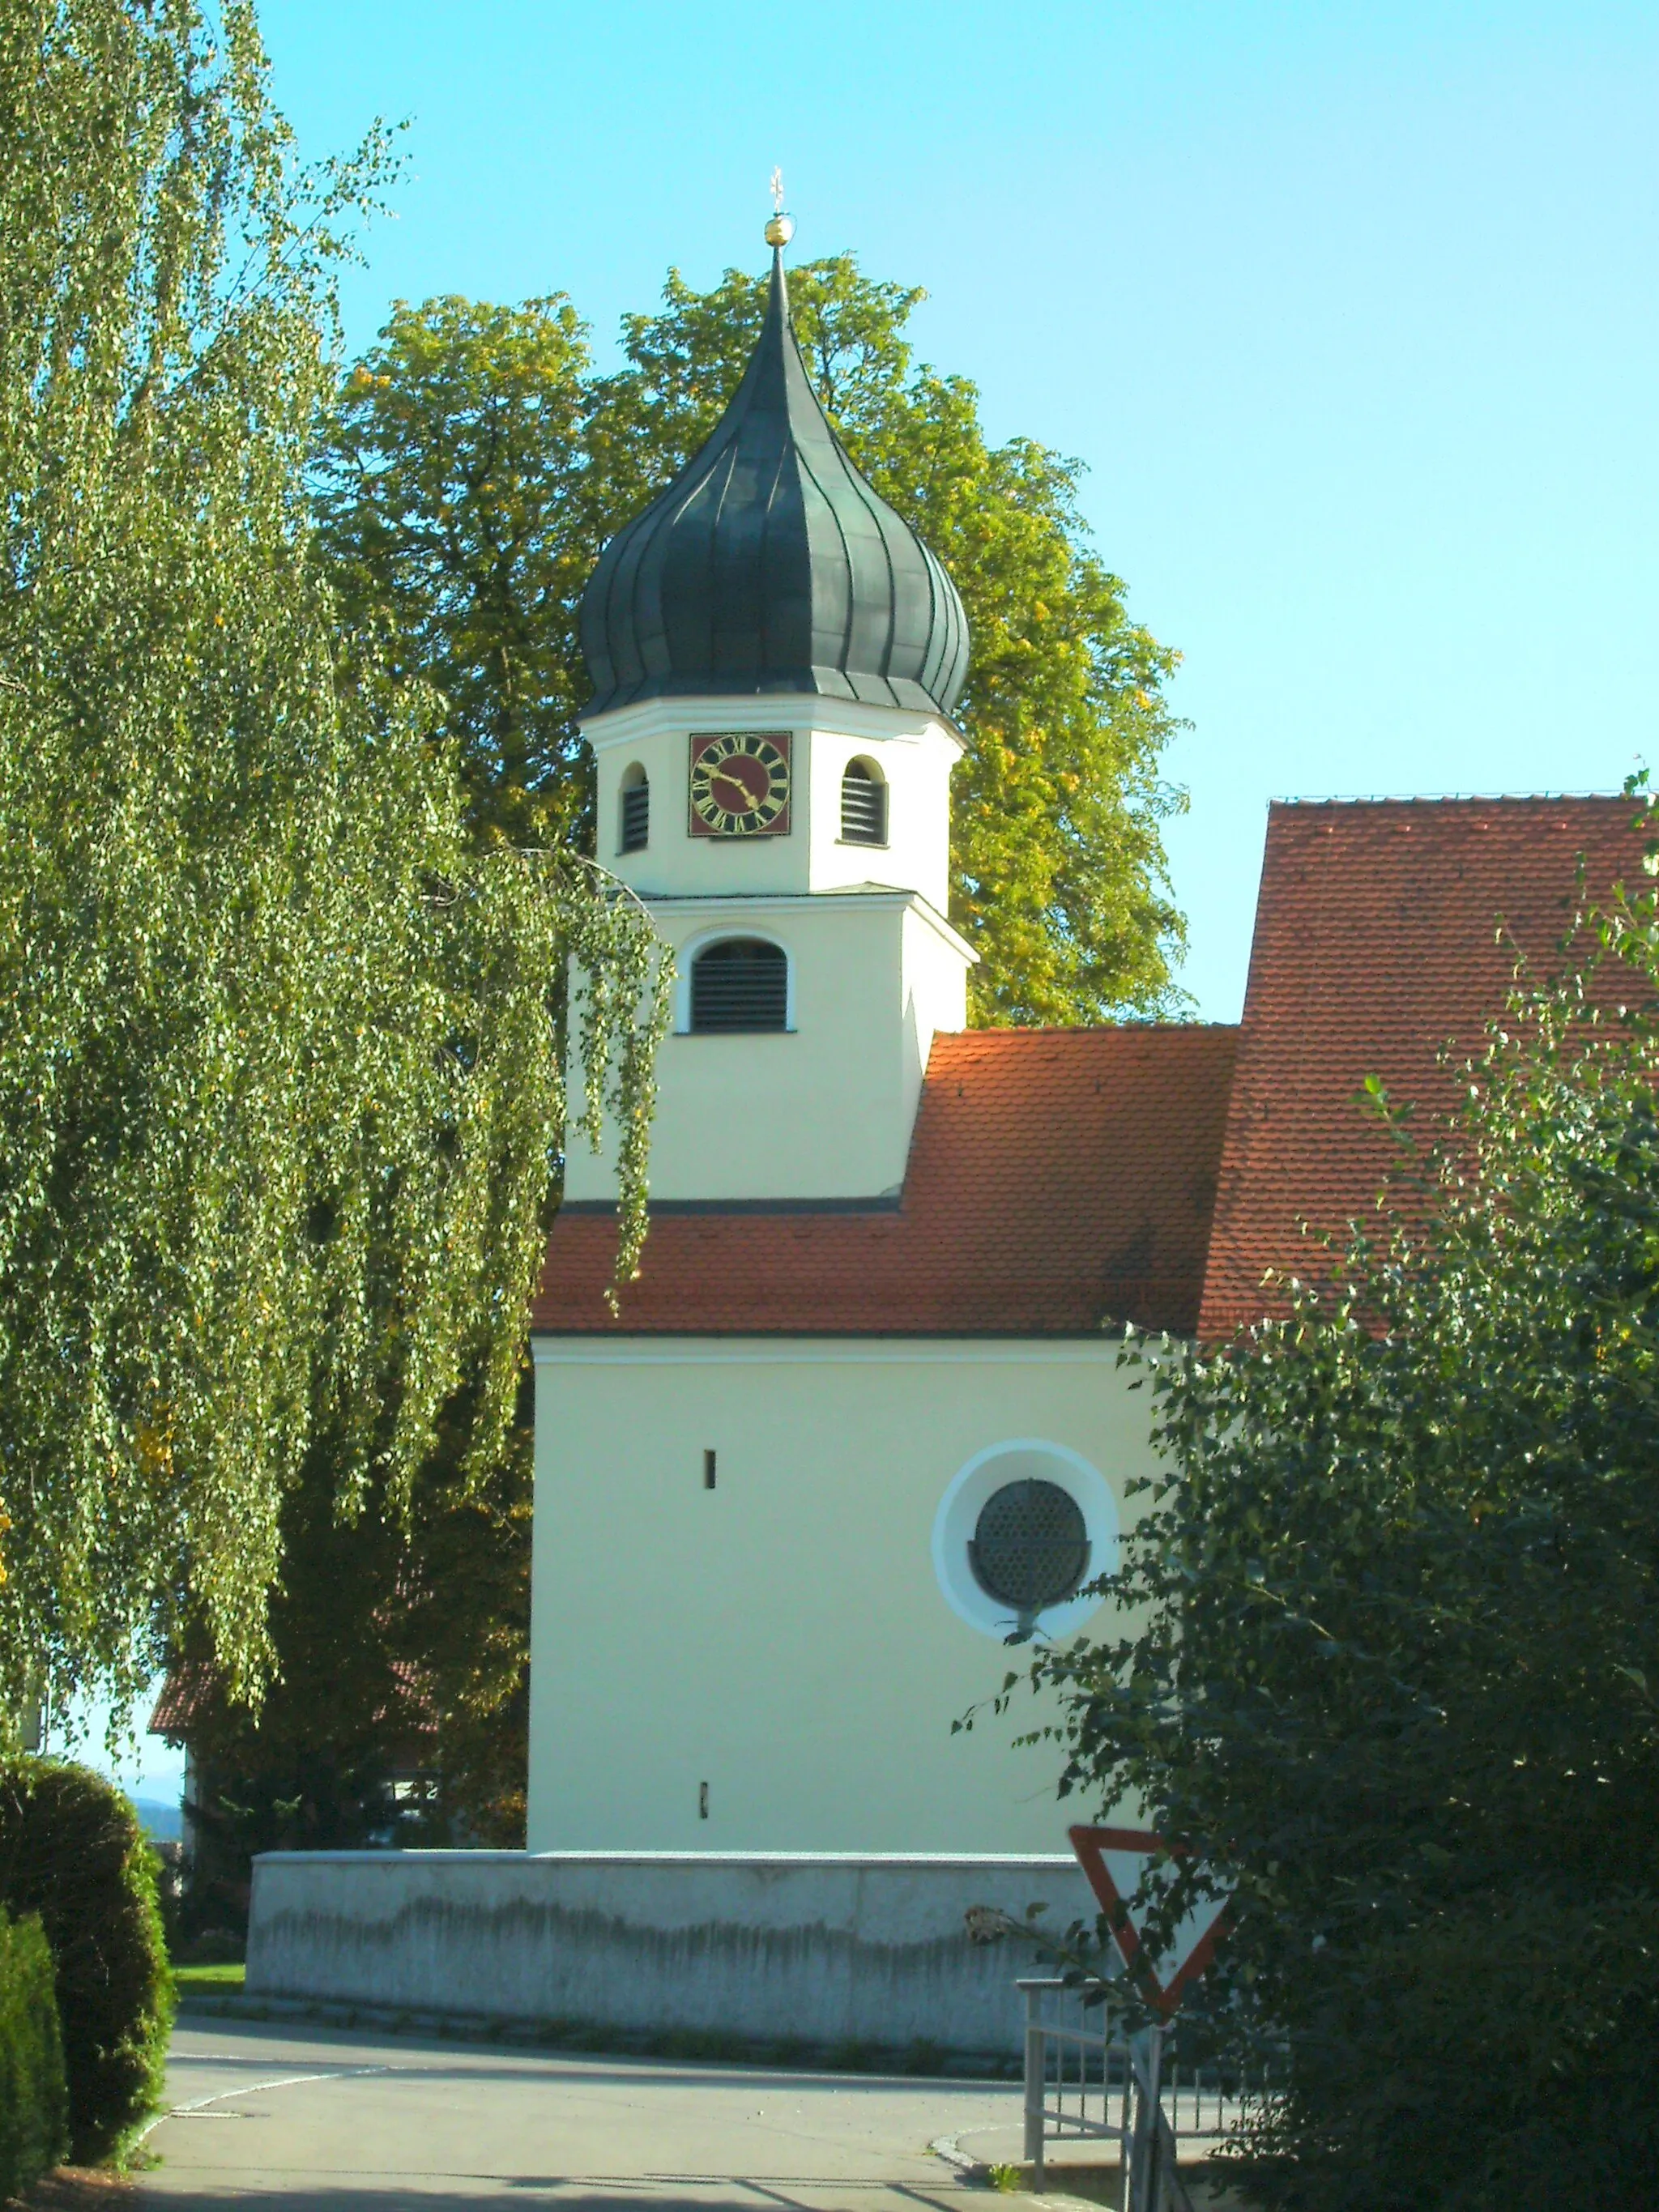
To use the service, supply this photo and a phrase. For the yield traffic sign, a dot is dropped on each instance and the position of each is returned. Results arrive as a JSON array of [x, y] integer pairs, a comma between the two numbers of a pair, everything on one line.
[[1115, 1861]]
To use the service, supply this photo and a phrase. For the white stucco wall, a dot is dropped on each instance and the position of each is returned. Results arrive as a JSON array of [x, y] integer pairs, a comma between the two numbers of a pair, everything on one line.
[[915, 752], [826, 1108], [783, 1637]]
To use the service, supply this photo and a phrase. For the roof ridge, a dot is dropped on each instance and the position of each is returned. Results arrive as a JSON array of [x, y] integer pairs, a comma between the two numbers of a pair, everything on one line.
[[1447, 799], [1081, 1030]]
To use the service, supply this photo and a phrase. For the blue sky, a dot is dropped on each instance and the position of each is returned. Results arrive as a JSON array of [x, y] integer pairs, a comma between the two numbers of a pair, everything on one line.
[[1350, 310]]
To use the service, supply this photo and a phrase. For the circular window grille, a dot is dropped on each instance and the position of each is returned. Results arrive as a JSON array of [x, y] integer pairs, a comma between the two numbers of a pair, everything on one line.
[[1031, 1547]]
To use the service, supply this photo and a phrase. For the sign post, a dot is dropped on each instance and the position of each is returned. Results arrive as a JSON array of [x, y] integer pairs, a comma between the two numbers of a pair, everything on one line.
[[1146, 2165], [1115, 1861]]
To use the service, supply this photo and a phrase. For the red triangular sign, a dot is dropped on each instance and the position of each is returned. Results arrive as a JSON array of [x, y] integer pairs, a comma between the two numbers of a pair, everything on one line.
[[1115, 1860]]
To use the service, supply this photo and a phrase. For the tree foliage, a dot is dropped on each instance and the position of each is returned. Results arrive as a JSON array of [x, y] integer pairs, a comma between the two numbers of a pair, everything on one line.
[[1390, 1654], [479, 463], [457, 506], [280, 1080], [399, 1710]]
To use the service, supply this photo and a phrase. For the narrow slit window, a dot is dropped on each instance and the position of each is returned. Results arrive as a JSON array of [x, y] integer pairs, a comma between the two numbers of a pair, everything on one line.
[[863, 805], [741, 984], [635, 811], [708, 1470]]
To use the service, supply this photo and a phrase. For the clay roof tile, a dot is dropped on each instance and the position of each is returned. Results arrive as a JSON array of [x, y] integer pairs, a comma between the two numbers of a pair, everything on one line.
[[1059, 1180], [1385, 929]]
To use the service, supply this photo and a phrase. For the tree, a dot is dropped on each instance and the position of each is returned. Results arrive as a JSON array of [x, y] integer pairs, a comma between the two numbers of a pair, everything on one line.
[[458, 508], [398, 1706], [280, 1074], [478, 465], [1390, 1647]]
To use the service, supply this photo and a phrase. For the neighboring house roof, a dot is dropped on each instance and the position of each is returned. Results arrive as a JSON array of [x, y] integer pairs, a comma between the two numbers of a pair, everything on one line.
[[190, 1689], [187, 1690], [1376, 942], [1059, 1180]]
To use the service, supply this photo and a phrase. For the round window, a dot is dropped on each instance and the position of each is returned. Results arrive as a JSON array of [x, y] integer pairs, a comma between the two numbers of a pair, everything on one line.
[[1021, 1534], [1029, 1547]]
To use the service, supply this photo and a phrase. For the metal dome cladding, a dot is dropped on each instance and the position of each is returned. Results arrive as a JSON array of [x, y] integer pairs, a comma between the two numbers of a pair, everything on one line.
[[769, 565]]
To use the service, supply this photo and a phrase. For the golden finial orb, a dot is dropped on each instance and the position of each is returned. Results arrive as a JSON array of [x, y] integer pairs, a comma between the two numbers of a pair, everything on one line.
[[782, 227]]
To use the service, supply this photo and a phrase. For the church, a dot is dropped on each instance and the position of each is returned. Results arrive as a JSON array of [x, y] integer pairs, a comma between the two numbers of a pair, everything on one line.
[[859, 1431]]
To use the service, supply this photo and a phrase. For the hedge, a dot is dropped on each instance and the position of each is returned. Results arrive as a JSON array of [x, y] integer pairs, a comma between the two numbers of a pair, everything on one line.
[[34, 2104], [72, 1850]]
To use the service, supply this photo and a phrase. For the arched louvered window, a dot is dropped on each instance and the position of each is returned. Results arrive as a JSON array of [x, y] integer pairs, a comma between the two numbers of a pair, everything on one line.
[[635, 809], [740, 983], [863, 805]]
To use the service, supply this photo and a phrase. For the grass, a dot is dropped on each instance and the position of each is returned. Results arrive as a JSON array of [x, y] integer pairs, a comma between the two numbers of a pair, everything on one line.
[[211, 1977]]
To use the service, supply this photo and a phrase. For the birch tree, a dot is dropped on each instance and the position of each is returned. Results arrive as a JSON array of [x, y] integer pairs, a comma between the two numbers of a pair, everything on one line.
[[280, 1076]]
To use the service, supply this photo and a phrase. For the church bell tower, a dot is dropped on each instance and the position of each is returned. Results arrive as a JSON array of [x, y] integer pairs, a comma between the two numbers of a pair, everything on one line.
[[774, 656]]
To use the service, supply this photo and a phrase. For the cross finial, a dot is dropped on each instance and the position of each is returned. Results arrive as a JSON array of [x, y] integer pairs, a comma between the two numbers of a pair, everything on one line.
[[781, 227]]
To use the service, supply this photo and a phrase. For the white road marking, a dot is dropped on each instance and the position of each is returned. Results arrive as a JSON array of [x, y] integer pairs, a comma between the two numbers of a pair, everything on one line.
[[198, 2108]]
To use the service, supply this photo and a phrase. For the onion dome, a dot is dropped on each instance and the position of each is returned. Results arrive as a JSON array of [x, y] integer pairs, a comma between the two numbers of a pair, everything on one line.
[[769, 565]]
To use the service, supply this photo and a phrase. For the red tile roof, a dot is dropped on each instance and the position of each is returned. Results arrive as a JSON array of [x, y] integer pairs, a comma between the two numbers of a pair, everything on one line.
[[1058, 1179], [191, 1690], [1374, 944], [187, 1692]]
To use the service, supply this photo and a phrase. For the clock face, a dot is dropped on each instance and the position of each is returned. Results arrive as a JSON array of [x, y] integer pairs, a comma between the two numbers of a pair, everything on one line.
[[740, 784]]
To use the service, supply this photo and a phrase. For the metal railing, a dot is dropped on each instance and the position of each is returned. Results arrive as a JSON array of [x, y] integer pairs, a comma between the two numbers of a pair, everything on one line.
[[1087, 2076]]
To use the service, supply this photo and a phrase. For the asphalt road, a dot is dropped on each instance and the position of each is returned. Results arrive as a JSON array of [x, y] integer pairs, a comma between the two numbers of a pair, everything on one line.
[[351, 2122]]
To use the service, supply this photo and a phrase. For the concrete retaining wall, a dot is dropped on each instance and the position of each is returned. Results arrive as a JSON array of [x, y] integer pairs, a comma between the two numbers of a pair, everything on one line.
[[830, 1949]]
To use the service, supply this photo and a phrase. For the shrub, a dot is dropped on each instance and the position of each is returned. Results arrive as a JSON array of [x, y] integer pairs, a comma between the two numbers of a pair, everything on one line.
[[33, 2107], [72, 1850]]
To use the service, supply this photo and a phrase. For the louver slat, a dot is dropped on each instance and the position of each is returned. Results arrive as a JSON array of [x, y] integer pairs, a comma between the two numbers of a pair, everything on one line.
[[863, 808], [739, 985], [636, 818]]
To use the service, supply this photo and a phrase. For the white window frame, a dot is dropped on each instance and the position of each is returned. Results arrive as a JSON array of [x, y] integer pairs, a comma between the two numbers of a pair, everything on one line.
[[1017, 1459]]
